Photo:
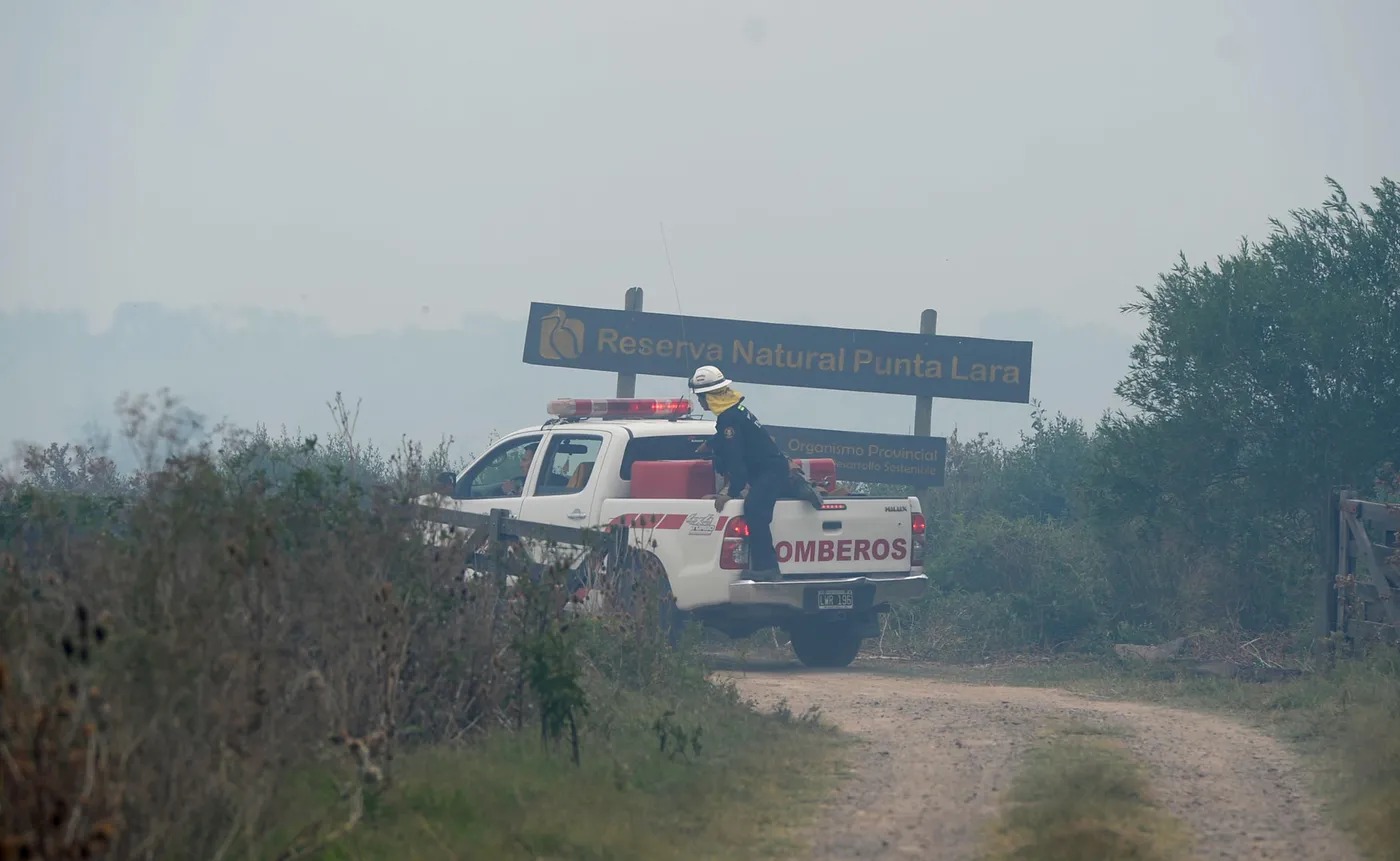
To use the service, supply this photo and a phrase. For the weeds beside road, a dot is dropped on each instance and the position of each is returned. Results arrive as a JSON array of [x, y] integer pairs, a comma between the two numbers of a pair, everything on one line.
[[250, 652]]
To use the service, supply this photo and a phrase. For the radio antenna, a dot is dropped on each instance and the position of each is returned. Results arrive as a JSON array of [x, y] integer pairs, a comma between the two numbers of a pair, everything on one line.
[[672, 269], [675, 287]]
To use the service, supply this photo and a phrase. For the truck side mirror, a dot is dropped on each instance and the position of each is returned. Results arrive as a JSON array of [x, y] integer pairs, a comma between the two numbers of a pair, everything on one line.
[[446, 483]]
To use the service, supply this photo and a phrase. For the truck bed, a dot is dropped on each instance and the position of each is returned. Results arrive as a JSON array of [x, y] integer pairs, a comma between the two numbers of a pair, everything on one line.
[[851, 537]]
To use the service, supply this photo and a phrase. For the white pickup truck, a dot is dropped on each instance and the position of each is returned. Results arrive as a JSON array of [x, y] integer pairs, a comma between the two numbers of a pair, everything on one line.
[[639, 463]]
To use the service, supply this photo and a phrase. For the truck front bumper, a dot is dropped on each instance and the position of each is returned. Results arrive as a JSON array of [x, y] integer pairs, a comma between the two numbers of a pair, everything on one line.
[[834, 594]]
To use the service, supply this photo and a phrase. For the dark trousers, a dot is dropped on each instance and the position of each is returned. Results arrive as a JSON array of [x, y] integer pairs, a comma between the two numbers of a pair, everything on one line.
[[765, 489]]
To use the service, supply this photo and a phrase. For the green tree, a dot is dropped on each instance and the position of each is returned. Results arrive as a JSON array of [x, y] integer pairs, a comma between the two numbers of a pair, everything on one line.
[[1260, 384]]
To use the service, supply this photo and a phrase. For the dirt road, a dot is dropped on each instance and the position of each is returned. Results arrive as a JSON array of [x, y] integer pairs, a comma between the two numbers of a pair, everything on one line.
[[934, 757]]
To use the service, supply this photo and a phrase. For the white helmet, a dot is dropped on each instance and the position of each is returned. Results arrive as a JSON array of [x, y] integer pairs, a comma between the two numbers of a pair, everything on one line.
[[707, 379]]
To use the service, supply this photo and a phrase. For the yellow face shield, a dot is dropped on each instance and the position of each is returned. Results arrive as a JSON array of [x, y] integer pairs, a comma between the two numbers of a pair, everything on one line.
[[722, 399]]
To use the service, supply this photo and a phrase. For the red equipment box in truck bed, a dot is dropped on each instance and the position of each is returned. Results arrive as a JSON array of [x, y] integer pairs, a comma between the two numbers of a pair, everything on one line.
[[821, 471], [672, 479]]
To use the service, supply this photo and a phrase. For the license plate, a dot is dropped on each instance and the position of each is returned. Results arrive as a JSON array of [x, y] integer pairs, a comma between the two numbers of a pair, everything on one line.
[[836, 599]]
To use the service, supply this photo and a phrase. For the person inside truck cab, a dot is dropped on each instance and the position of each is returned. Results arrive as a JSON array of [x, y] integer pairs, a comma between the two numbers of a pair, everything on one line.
[[515, 486], [751, 464]]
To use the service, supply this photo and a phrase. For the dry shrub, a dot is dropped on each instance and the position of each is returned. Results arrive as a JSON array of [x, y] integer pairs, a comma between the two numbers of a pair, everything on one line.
[[60, 798], [639, 637], [254, 627], [270, 610]]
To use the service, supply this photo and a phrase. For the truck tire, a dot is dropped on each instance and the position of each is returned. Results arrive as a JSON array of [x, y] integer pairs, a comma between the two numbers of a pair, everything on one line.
[[826, 644], [670, 620]]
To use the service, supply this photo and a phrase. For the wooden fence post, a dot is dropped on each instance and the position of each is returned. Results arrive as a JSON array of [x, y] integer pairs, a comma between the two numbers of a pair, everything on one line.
[[1326, 594], [496, 544], [923, 404], [627, 383]]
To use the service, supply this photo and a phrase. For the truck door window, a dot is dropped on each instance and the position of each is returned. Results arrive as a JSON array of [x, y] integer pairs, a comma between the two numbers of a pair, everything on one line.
[[568, 464], [501, 473]]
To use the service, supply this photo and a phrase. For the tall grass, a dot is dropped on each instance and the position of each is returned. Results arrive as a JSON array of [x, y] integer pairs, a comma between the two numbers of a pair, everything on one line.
[[178, 645], [1080, 795]]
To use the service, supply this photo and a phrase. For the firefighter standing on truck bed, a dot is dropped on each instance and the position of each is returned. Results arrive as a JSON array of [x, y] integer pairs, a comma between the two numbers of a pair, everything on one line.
[[752, 466]]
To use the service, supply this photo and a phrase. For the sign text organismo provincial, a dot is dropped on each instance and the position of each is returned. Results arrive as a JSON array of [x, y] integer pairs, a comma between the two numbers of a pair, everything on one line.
[[779, 354], [880, 458]]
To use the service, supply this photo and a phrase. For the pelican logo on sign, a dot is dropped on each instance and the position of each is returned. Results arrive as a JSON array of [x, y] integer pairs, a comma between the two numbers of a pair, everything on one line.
[[560, 337]]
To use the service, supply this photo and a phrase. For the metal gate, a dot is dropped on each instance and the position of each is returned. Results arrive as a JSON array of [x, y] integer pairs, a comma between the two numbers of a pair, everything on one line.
[[1363, 604]]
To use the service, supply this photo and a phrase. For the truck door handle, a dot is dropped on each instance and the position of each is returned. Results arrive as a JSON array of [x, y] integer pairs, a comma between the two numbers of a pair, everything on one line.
[[831, 524], [577, 514]]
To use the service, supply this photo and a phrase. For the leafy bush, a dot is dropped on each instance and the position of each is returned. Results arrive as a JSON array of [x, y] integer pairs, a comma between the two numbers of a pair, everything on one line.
[[266, 608], [1206, 509], [999, 584]]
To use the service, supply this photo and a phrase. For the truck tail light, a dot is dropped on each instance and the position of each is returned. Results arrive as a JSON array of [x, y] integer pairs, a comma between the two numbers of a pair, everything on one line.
[[733, 552], [919, 526]]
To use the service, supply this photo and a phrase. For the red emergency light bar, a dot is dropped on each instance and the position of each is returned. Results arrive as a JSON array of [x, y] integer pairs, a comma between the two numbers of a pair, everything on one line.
[[619, 408]]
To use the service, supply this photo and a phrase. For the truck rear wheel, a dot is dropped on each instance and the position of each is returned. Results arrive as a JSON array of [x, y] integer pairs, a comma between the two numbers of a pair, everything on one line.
[[826, 644], [656, 601]]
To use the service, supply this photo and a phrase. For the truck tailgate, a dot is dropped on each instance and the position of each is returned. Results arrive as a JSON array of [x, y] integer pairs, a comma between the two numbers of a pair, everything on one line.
[[861, 536]]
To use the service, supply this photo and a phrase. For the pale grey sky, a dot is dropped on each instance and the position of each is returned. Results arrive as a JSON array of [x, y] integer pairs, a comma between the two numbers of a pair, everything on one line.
[[821, 162]]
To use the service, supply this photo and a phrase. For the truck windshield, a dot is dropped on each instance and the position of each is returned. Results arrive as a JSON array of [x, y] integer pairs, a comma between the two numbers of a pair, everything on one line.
[[679, 447]]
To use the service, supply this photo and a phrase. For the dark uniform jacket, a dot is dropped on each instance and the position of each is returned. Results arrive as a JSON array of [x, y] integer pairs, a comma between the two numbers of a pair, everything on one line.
[[743, 449]]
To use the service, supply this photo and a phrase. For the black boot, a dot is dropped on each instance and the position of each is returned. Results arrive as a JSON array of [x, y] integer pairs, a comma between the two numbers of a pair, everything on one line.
[[803, 489]]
